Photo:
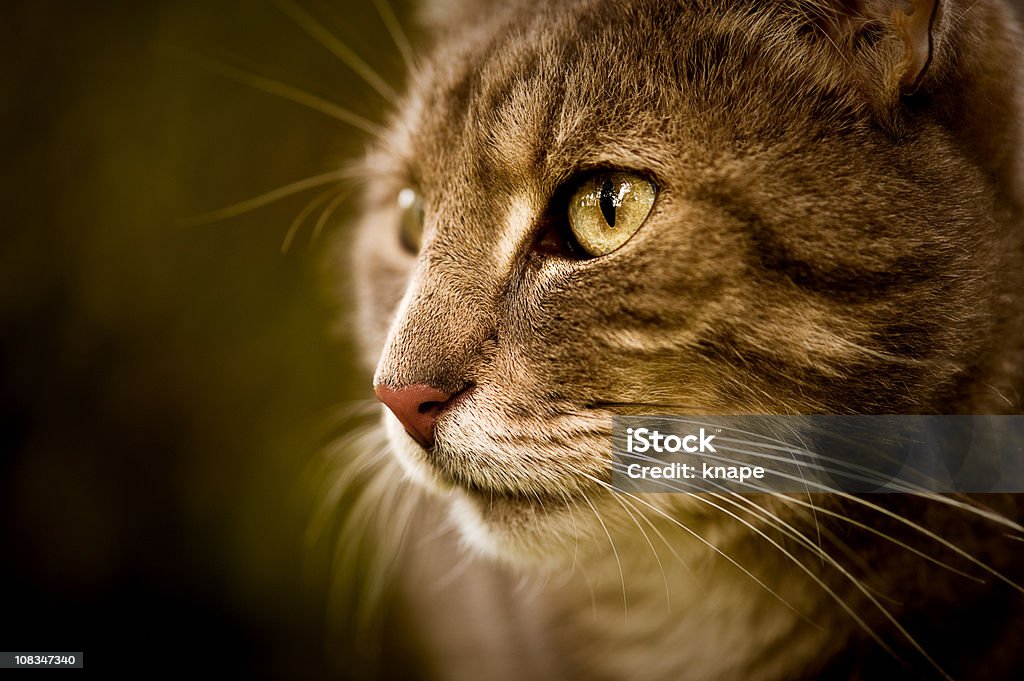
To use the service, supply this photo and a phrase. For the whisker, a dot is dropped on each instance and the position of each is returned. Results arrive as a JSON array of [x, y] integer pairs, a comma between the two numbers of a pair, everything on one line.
[[928, 533], [671, 548], [371, 534], [316, 30], [366, 440], [986, 513], [326, 215], [590, 588], [881, 534], [857, 560], [787, 447], [279, 89], [800, 537], [650, 524], [791, 531], [664, 577], [575, 533], [880, 509], [394, 27], [618, 562], [318, 201], [394, 521], [455, 572], [810, 499], [265, 199], [820, 582], [816, 548], [693, 533], [898, 487]]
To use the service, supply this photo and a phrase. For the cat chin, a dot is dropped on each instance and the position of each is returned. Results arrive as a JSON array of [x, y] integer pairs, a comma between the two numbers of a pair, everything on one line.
[[515, 532], [524, 530], [501, 528]]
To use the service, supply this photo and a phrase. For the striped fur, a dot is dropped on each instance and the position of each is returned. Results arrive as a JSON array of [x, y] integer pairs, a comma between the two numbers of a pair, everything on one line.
[[826, 239]]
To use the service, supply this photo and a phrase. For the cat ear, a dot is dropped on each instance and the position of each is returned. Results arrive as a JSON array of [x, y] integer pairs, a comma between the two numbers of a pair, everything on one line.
[[915, 24]]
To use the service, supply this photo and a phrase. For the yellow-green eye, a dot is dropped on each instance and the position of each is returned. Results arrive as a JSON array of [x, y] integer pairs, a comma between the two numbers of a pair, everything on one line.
[[609, 208], [411, 222]]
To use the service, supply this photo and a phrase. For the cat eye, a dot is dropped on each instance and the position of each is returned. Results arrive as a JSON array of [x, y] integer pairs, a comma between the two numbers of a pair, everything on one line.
[[608, 208], [411, 221]]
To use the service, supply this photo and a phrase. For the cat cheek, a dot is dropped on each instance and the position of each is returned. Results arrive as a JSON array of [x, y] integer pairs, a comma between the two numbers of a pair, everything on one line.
[[378, 273]]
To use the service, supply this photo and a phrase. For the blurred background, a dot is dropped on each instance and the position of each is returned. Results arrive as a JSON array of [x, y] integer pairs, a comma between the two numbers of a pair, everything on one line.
[[165, 381]]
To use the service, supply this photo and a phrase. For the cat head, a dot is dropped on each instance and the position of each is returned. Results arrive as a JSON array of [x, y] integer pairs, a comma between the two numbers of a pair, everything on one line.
[[587, 208]]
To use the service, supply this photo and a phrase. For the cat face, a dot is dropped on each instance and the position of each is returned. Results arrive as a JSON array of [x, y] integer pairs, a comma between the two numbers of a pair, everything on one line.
[[800, 240]]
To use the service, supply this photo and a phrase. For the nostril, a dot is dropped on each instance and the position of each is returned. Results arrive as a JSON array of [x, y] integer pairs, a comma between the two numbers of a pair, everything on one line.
[[416, 407], [429, 406]]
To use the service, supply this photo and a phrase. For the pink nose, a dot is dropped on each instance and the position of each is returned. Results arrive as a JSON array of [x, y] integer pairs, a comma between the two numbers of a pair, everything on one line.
[[416, 406]]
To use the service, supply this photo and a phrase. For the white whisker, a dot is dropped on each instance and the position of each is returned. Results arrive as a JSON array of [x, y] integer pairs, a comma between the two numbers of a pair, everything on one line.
[[325, 216], [883, 535], [282, 90], [664, 577], [264, 199], [702, 540], [575, 533], [331, 42], [928, 533], [394, 27], [856, 499], [618, 562], [315, 203]]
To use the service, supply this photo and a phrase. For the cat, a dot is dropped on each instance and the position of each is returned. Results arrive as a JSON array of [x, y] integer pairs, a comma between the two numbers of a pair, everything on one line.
[[584, 208]]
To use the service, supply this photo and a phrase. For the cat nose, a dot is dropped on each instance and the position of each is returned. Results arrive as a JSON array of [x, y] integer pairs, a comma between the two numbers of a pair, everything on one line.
[[416, 407]]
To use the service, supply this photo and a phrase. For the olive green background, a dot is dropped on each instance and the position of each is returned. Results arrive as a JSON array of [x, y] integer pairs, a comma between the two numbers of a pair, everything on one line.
[[164, 387]]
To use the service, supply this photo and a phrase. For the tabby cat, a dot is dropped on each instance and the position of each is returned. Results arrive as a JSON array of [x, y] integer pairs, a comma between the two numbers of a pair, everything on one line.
[[584, 208]]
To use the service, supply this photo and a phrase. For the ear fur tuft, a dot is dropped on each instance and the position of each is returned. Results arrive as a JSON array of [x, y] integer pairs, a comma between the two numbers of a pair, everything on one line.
[[914, 24], [917, 31]]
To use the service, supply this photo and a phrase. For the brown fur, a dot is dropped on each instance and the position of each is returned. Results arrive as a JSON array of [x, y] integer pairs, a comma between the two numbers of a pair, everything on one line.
[[837, 230]]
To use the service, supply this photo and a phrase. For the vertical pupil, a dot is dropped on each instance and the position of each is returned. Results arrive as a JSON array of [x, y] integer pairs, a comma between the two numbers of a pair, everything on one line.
[[608, 202]]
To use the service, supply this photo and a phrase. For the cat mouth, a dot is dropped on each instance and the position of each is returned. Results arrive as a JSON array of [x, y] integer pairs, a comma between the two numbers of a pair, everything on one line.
[[540, 499], [555, 496], [489, 485], [490, 463]]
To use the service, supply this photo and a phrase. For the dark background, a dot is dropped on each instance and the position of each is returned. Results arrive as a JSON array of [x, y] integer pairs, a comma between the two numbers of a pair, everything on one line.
[[164, 386]]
